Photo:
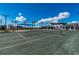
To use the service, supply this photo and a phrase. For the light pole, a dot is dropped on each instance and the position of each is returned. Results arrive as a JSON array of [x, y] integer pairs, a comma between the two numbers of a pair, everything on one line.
[[0, 24], [13, 27], [5, 17], [15, 24]]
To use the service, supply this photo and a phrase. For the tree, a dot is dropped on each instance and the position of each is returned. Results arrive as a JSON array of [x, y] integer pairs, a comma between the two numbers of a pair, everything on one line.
[[33, 23], [15, 24], [25, 22], [41, 24]]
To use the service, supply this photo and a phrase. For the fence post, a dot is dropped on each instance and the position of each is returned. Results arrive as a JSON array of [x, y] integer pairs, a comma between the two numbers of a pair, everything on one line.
[[60, 33]]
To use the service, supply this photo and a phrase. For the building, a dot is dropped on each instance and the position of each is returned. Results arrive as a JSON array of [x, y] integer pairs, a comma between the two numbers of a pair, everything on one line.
[[73, 26], [58, 26]]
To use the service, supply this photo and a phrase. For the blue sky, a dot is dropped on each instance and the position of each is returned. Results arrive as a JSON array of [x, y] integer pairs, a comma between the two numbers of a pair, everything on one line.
[[37, 11]]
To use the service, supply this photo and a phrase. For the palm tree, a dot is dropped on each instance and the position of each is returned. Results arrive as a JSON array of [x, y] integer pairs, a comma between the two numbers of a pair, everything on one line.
[[41, 24], [25, 22], [50, 25], [33, 23]]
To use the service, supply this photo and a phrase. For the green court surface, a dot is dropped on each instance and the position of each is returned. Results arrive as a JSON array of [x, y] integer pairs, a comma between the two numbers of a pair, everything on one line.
[[44, 42]]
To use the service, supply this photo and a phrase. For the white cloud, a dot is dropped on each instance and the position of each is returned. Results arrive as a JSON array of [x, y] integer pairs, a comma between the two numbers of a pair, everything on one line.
[[20, 17], [20, 14], [61, 15], [73, 22], [2, 17], [55, 21]]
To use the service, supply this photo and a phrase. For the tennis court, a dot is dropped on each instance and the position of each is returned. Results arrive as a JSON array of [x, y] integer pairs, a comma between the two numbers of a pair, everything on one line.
[[39, 42]]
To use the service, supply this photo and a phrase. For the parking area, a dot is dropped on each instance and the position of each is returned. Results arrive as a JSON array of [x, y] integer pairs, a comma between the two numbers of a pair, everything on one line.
[[45, 42]]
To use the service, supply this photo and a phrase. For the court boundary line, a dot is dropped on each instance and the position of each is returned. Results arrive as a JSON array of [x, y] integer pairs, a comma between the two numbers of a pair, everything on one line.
[[22, 39], [24, 43]]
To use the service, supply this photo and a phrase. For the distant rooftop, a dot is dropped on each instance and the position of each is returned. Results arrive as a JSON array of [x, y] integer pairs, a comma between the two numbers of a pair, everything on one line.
[[58, 23]]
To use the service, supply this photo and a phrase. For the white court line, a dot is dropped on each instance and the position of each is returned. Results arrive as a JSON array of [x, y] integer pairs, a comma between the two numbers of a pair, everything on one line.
[[23, 38], [24, 43], [4, 38], [8, 34], [5, 33], [21, 35], [68, 44]]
